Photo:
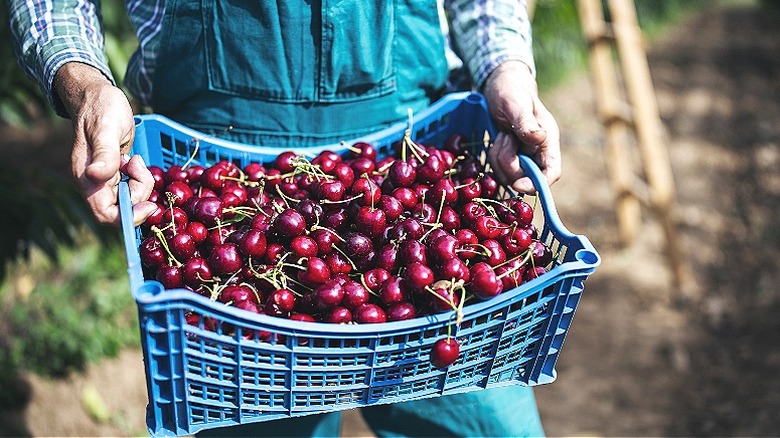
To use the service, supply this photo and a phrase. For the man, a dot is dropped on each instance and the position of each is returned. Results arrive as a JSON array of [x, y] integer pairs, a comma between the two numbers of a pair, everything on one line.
[[295, 73]]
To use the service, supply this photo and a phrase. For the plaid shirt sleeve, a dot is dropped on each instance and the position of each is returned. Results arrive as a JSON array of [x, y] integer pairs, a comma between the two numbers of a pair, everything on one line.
[[486, 33], [49, 33]]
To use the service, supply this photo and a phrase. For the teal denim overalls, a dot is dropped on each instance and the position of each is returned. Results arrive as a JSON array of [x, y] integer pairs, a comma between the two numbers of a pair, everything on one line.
[[304, 72]]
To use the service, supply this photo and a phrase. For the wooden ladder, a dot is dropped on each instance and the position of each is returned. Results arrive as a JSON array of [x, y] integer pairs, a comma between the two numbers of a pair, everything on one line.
[[628, 109]]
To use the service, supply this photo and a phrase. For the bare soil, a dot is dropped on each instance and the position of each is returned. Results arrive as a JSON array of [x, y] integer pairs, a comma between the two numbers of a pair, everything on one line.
[[637, 361]]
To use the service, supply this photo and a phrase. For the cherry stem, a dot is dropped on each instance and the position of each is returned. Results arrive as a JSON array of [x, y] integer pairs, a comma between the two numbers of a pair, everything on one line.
[[371, 291], [161, 237], [351, 263], [350, 148], [340, 201], [194, 152], [433, 227], [487, 252], [171, 199], [242, 180], [525, 256], [285, 198], [331, 231]]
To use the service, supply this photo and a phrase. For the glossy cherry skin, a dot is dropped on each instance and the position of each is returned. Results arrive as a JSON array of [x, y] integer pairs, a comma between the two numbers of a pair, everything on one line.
[[445, 352]]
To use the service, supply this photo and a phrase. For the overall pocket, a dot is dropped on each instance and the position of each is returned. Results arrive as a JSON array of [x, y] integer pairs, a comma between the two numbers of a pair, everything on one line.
[[298, 51]]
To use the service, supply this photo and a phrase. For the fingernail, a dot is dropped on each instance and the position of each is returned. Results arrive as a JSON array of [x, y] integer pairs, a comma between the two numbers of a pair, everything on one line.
[[98, 164]]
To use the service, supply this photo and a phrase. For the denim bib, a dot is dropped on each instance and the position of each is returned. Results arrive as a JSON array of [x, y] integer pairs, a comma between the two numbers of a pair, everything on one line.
[[297, 72]]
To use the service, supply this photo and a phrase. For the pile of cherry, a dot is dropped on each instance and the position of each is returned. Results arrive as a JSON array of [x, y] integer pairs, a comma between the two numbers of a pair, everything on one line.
[[343, 239]]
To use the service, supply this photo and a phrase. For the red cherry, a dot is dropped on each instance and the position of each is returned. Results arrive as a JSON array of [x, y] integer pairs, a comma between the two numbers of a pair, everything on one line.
[[344, 173], [393, 291], [289, 223], [337, 263], [208, 210], [392, 207], [489, 185], [401, 311], [371, 221], [236, 293], [196, 271], [175, 216], [339, 315], [225, 258], [387, 257], [354, 294], [369, 191], [285, 161], [363, 149], [315, 272], [406, 196], [470, 188], [280, 301], [198, 231], [176, 173], [402, 174], [411, 251], [486, 227], [330, 190], [516, 242], [182, 245], [253, 243], [449, 218], [159, 177], [375, 278], [445, 352], [418, 275], [542, 256], [431, 170], [151, 252], [329, 294], [362, 166], [326, 160], [454, 268], [443, 189], [213, 178], [169, 276], [443, 300], [496, 252], [369, 313], [324, 238], [179, 191], [484, 284], [155, 219]]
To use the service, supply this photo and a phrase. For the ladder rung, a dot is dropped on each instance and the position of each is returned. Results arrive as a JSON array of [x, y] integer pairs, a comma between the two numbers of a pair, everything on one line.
[[598, 32], [637, 190], [617, 112]]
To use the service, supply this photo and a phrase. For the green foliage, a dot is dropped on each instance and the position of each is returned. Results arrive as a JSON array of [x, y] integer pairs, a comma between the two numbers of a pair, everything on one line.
[[42, 211], [559, 47], [74, 314]]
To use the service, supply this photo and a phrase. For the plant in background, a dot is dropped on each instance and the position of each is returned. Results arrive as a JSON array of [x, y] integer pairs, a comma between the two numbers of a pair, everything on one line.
[[56, 319]]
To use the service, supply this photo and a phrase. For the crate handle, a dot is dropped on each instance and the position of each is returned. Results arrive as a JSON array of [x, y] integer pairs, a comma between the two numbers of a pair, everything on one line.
[[129, 233], [532, 171]]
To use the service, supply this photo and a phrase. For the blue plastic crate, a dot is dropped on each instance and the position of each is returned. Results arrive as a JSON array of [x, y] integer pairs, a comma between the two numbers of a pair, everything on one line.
[[199, 379]]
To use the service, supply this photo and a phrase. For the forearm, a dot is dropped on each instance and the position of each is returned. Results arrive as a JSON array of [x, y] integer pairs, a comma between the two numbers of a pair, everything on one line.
[[487, 33], [48, 35]]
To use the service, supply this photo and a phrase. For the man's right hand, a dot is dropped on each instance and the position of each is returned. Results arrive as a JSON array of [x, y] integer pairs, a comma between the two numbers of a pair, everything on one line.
[[103, 125]]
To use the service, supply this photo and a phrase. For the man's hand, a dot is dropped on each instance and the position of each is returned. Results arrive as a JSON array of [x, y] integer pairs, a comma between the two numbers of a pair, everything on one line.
[[525, 126], [103, 125]]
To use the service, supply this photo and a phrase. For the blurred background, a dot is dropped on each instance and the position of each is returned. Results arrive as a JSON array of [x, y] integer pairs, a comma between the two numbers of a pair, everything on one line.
[[637, 362]]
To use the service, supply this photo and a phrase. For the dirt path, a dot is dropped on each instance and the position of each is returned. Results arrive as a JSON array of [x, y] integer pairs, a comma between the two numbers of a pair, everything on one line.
[[633, 364]]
